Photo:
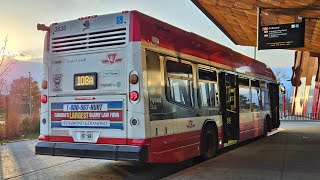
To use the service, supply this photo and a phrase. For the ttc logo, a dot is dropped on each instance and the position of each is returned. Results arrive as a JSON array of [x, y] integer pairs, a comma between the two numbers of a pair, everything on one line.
[[111, 58], [190, 124], [86, 25]]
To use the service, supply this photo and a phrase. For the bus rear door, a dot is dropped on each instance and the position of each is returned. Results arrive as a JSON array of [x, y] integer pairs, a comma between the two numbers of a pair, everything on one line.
[[229, 93]]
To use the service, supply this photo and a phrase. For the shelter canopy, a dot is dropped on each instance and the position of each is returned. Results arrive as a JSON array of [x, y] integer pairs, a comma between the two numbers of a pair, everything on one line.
[[238, 18]]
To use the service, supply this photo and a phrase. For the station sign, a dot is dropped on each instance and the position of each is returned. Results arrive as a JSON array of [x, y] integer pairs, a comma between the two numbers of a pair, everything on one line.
[[282, 36]]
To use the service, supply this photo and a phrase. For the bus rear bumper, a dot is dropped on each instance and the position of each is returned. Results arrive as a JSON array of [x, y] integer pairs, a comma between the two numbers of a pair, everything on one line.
[[96, 151]]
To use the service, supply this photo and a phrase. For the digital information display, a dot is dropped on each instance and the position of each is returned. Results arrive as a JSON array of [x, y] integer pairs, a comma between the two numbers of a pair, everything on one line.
[[282, 36], [85, 81]]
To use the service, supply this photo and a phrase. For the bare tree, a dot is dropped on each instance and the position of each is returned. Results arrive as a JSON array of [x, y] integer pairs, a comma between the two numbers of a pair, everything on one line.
[[4, 66], [281, 76]]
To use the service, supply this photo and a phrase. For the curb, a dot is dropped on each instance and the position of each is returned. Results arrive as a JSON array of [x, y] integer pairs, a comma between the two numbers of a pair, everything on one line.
[[20, 140]]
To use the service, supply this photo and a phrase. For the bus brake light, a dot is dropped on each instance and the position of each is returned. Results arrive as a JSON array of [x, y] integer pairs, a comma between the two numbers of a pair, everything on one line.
[[134, 95], [44, 99]]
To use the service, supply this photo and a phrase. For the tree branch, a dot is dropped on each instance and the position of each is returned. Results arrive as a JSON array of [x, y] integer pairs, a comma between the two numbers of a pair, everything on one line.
[[3, 51]]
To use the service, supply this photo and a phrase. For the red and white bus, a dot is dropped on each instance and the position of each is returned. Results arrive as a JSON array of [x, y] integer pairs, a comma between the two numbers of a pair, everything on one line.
[[126, 86]]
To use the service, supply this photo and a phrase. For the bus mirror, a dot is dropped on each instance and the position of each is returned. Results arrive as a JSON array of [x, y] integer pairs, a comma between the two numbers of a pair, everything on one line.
[[42, 27]]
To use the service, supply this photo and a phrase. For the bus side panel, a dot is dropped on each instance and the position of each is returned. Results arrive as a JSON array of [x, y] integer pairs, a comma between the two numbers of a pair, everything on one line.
[[44, 116], [136, 109], [246, 126], [183, 145], [175, 131]]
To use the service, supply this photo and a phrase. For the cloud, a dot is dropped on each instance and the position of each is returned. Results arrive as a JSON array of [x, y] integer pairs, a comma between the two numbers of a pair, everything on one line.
[[19, 56]]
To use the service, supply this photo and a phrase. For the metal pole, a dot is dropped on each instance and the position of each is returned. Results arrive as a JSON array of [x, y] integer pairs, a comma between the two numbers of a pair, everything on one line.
[[258, 28], [29, 94], [284, 105]]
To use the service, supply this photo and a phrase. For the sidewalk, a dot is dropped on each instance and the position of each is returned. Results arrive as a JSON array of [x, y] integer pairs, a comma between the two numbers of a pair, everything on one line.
[[293, 153]]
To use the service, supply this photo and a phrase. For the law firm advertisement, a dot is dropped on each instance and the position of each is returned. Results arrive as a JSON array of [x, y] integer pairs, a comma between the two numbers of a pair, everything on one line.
[[105, 115]]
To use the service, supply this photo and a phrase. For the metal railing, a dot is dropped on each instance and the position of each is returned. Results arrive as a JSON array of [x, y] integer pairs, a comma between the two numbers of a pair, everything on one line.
[[299, 116]]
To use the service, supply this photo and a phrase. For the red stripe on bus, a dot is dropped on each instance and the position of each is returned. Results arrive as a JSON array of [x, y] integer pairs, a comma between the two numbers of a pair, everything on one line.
[[100, 140], [132, 141], [170, 148], [249, 125], [194, 135], [135, 34]]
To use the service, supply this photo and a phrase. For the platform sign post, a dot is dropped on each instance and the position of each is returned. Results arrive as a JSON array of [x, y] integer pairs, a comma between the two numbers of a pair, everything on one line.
[[258, 25], [281, 36]]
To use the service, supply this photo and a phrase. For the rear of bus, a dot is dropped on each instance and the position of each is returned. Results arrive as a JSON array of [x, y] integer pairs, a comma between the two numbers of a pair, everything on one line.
[[91, 98]]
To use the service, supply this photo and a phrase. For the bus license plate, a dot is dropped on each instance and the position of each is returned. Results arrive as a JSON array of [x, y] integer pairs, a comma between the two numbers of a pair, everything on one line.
[[86, 135]]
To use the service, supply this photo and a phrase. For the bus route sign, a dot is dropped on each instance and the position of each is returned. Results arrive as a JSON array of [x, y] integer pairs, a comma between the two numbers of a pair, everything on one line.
[[282, 36]]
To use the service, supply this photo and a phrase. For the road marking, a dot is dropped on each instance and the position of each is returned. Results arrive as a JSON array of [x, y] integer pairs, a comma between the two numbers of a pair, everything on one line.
[[276, 131]]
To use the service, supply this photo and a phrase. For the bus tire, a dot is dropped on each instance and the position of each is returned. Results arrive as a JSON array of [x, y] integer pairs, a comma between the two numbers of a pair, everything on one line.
[[209, 142]]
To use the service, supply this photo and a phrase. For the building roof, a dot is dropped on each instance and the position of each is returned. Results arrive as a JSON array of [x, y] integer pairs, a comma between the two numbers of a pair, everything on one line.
[[238, 18]]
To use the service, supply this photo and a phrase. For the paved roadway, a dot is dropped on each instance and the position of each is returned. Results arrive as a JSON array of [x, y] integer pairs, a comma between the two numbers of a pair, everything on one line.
[[293, 153], [17, 161]]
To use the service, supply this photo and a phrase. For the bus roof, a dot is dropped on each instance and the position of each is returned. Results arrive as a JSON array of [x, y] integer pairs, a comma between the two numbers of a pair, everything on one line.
[[143, 27]]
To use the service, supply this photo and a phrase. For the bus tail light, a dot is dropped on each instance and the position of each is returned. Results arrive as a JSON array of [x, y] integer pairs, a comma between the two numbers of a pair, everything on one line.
[[134, 87], [44, 99], [87, 17], [44, 84], [134, 79], [43, 138], [134, 95]]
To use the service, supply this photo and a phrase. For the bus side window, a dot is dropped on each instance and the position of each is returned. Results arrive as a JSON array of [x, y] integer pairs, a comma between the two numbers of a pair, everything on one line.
[[255, 94], [264, 96], [180, 91], [244, 95], [207, 84], [179, 83], [255, 99], [216, 94]]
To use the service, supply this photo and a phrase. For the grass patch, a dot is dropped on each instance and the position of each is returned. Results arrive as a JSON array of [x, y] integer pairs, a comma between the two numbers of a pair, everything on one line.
[[29, 136]]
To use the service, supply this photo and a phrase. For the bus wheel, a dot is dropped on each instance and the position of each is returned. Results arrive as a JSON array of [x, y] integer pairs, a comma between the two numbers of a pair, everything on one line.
[[210, 142]]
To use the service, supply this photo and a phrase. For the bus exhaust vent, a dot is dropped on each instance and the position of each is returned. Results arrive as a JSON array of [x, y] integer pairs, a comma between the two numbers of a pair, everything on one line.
[[91, 40]]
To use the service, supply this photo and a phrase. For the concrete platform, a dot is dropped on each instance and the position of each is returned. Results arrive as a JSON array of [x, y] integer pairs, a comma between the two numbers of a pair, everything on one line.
[[291, 153]]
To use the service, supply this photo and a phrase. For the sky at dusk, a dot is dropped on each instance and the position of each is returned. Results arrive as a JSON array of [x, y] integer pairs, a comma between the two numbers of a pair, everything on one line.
[[19, 20]]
